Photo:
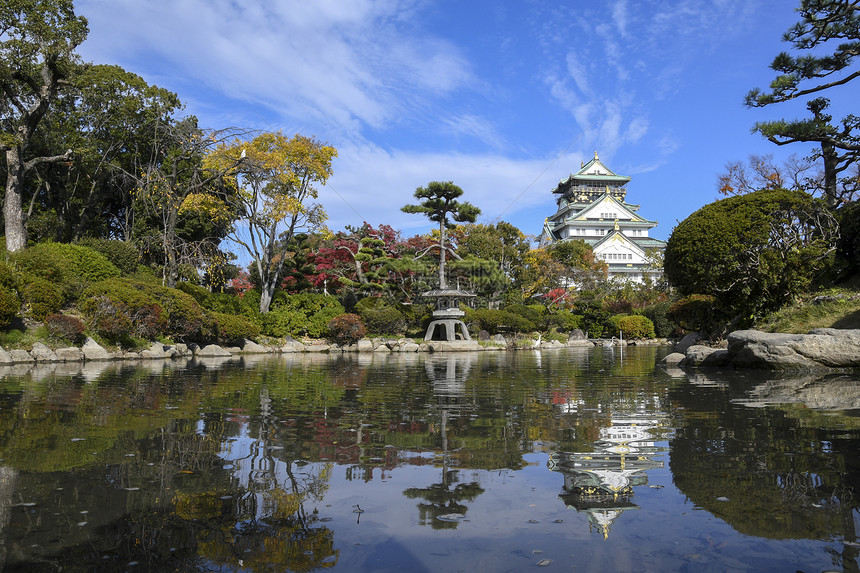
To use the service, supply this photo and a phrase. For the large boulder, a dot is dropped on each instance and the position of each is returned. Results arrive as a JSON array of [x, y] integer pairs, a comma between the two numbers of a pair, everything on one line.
[[689, 340], [823, 347], [43, 353], [93, 350], [213, 351], [698, 355]]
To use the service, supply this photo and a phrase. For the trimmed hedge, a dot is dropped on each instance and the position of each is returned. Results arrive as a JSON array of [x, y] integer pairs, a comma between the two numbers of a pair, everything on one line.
[[231, 329], [41, 296], [380, 316], [71, 267], [152, 310], [300, 314], [633, 326], [122, 254], [494, 321]]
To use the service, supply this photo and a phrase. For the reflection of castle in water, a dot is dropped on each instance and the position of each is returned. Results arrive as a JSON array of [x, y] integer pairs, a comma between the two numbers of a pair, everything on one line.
[[600, 483]]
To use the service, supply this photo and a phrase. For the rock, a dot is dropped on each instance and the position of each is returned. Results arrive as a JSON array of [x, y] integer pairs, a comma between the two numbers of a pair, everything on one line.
[[823, 347], [698, 355], [576, 334], [42, 353], [213, 351], [499, 340], [318, 348], [155, 351], [409, 347], [20, 356], [251, 347], [687, 342], [5, 358], [93, 351], [483, 336], [365, 345], [70, 354], [292, 346], [673, 359]]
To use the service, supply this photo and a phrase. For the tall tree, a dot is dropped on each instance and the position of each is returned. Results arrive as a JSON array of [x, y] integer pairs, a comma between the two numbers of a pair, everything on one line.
[[440, 205], [503, 243], [113, 120], [178, 182], [823, 24], [37, 55], [276, 184]]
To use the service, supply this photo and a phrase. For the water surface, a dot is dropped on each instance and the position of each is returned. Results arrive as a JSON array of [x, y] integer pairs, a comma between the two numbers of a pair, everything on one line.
[[568, 460]]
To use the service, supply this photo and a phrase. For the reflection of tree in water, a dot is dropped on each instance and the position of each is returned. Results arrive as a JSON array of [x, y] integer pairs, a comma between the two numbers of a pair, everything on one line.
[[276, 529], [777, 470], [443, 509], [442, 500]]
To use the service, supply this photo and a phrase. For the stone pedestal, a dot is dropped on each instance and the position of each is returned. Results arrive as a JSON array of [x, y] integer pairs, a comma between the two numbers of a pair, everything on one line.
[[445, 323]]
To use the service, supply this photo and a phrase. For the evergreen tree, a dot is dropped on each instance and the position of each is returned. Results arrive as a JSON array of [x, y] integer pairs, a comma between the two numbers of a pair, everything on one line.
[[828, 36], [441, 206]]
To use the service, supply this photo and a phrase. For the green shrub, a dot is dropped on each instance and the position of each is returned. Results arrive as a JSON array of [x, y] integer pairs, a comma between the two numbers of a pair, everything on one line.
[[752, 252], [71, 267], [494, 321], [232, 329], [659, 315], [64, 327], [534, 313], [563, 320], [699, 313], [346, 329], [122, 254], [118, 311], [300, 314], [380, 316], [635, 326], [10, 306], [9, 277], [199, 293], [41, 296], [185, 318]]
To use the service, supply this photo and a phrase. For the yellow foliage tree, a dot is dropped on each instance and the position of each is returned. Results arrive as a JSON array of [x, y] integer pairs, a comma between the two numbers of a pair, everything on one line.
[[275, 188]]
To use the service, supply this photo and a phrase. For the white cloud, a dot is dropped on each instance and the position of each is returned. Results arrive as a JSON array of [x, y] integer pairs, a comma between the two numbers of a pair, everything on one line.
[[339, 62], [371, 184]]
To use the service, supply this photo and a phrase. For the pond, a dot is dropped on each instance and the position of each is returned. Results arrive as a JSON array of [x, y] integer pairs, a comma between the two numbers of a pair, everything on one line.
[[561, 460]]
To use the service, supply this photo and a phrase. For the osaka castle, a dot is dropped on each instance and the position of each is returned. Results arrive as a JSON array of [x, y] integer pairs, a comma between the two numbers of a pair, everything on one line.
[[592, 207]]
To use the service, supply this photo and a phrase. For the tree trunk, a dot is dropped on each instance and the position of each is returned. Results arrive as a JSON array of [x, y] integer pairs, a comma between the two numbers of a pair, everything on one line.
[[13, 214], [831, 160], [171, 265], [443, 284]]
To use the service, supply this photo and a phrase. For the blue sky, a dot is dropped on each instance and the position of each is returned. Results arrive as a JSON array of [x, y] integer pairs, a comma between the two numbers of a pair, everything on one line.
[[504, 98]]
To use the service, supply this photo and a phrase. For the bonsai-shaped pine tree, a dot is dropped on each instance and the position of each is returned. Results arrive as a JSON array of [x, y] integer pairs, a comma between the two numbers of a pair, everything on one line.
[[441, 206]]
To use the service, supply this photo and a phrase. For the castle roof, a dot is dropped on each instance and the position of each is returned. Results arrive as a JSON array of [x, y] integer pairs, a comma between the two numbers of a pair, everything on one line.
[[593, 171]]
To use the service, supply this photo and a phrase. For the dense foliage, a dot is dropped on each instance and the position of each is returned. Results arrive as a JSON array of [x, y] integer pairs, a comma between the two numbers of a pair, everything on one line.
[[752, 252]]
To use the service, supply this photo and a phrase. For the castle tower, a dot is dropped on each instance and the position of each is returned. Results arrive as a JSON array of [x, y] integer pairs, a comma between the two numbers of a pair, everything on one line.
[[592, 207]]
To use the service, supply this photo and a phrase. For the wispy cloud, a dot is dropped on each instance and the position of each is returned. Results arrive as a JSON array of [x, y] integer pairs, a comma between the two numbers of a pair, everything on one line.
[[342, 63]]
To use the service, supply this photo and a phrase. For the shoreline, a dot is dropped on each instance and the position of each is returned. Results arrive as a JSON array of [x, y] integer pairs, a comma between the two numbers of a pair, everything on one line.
[[91, 351]]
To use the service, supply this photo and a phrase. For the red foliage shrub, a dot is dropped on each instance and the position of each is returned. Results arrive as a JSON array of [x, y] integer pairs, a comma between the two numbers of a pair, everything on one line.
[[346, 328], [65, 327]]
